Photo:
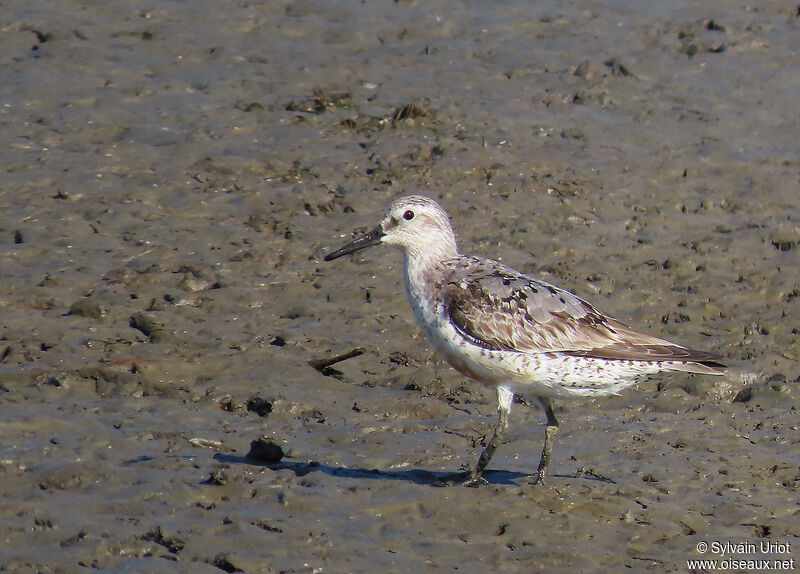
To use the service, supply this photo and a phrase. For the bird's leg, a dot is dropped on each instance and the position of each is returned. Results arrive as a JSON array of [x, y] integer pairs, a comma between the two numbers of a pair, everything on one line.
[[474, 478], [504, 399], [550, 432]]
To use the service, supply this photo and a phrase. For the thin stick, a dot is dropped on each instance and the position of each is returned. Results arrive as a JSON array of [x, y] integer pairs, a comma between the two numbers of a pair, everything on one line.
[[322, 365]]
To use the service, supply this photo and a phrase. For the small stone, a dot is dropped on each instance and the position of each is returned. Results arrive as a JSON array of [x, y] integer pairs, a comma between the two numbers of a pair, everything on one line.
[[261, 407], [86, 308], [744, 395], [262, 450]]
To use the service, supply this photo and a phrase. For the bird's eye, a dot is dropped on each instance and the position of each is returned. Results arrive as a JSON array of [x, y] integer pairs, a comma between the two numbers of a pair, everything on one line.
[[408, 215]]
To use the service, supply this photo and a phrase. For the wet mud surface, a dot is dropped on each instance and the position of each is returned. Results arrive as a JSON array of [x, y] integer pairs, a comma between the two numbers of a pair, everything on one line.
[[171, 180]]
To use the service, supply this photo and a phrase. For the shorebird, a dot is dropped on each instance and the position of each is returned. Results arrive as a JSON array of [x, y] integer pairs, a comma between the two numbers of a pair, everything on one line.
[[513, 332]]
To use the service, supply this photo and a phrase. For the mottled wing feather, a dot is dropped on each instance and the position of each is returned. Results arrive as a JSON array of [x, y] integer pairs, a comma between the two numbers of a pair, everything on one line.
[[631, 347], [499, 308]]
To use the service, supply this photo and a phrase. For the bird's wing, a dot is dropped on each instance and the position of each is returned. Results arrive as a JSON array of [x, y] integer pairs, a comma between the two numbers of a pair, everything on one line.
[[499, 308]]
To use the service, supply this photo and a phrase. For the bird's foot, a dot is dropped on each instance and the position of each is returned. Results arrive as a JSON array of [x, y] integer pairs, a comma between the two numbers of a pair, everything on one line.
[[594, 475], [539, 478], [470, 478]]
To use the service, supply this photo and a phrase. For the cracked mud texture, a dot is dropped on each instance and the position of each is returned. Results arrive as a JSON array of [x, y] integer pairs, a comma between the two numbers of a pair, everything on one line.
[[173, 174]]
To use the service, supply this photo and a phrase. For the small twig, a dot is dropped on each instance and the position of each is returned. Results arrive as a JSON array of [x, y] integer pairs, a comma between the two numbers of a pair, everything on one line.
[[324, 365]]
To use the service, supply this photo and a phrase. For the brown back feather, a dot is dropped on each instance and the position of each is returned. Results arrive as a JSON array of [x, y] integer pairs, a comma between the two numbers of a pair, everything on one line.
[[499, 308]]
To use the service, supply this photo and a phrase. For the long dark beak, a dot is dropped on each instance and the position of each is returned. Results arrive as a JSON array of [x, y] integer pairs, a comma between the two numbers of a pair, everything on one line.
[[368, 240]]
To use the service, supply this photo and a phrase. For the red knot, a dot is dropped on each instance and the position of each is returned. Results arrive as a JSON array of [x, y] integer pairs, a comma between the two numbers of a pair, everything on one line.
[[513, 332]]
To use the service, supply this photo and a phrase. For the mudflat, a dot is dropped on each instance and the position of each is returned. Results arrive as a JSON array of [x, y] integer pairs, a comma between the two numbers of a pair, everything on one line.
[[173, 175]]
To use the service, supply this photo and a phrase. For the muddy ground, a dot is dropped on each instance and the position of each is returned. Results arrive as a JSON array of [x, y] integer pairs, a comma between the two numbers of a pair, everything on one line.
[[173, 173]]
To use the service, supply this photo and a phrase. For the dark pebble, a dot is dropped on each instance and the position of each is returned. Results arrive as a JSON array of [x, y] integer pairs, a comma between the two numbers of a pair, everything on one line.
[[262, 450], [744, 395], [261, 407]]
